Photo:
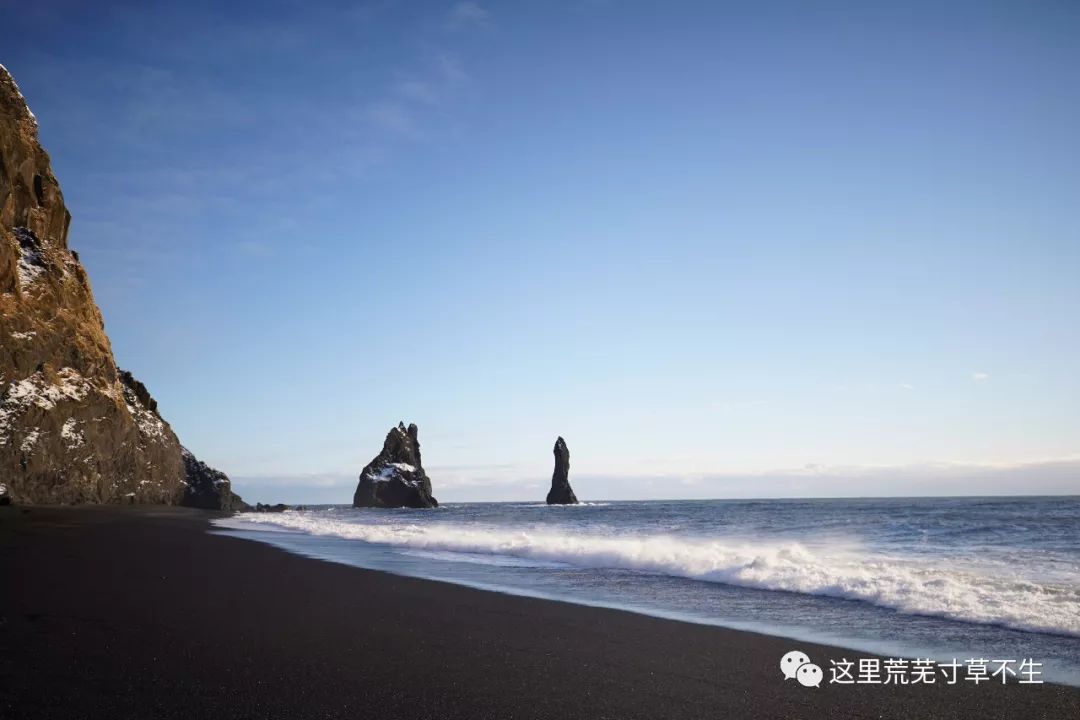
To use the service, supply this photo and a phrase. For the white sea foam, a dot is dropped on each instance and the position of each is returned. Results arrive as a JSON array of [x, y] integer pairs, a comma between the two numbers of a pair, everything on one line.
[[909, 585], [481, 559]]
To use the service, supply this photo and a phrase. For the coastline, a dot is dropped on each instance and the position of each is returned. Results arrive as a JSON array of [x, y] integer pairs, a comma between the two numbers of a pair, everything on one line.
[[142, 612]]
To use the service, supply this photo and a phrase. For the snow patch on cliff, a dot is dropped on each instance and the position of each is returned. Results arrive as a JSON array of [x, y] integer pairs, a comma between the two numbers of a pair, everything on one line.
[[31, 265], [30, 440], [72, 435], [33, 117], [393, 470], [36, 391], [148, 422]]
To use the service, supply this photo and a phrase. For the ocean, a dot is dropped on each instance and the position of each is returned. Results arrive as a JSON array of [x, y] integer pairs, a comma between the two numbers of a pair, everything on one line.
[[994, 578]]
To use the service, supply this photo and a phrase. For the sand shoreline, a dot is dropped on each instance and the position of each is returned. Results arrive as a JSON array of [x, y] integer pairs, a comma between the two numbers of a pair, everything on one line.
[[140, 612]]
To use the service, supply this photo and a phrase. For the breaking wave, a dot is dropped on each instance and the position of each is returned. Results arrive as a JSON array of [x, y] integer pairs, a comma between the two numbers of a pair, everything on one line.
[[908, 585]]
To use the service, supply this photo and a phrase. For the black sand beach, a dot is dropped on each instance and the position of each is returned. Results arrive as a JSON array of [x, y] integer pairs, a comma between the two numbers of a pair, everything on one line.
[[141, 613]]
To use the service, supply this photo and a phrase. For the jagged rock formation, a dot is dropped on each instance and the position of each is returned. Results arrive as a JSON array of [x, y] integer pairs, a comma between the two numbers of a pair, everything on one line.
[[73, 428], [561, 493], [395, 478], [208, 488]]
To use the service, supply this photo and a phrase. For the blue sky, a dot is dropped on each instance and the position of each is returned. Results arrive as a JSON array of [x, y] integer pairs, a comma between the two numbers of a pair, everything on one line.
[[725, 249]]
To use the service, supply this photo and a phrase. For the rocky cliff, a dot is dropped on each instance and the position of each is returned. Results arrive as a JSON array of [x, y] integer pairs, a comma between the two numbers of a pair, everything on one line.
[[73, 427], [395, 478], [561, 493], [208, 488]]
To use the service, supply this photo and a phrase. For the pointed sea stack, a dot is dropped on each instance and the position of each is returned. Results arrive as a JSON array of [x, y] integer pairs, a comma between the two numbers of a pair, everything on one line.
[[395, 478], [561, 493]]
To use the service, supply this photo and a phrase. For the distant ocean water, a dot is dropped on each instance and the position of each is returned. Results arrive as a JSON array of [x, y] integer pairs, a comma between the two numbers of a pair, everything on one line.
[[918, 577]]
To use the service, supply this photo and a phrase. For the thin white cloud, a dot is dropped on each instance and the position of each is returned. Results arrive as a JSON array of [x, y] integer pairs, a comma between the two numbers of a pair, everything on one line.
[[310, 480], [255, 248], [418, 91], [737, 404], [508, 482], [980, 377], [907, 386], [465, 15], [412, 100], [451, 69], [393, 117]]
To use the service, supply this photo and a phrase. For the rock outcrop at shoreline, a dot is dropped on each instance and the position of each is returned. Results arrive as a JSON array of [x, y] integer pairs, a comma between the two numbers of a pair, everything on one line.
[[73, 427], [561, 493], [208, 488], [395, 478]]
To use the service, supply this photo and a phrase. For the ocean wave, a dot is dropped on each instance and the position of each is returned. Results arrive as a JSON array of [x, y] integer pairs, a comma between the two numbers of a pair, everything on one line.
[[482, 559], [557, 506], [915, 586]]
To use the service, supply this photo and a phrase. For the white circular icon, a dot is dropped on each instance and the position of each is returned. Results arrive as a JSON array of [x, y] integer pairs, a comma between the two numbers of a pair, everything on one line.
[[809, 675], [789, 664]]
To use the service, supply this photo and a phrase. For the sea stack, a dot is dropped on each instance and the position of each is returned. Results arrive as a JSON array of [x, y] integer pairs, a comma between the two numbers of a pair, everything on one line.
[[73, 427], [561, 493], [395, 478]]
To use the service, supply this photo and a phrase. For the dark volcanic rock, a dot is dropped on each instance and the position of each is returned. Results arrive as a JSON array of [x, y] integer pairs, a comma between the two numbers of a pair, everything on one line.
[[73, 427], [561, 493], [208, 488], [136, 388], [395, 478], [5, 499]]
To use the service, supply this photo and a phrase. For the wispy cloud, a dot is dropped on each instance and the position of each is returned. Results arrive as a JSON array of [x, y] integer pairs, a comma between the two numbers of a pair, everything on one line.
[[465, 476], [980, 377], [737, 404], [907, 386], [392, 117], [418, 91], [451, 68], [465, 15], [432, 84], [510, 482], [312, 480], [255, 248], [405, 111]]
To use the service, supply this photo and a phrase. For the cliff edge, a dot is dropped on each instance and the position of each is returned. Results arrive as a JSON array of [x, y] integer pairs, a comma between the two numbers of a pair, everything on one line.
[[73, 427]]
